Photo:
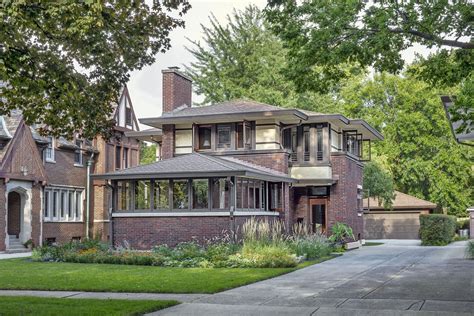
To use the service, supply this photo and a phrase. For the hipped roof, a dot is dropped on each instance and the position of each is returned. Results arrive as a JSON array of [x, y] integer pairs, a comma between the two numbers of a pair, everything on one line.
[[401, 201]]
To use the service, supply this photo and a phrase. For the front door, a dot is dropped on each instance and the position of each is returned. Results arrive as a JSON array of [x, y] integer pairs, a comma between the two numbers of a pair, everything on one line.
[[318, 215], [14, 214]]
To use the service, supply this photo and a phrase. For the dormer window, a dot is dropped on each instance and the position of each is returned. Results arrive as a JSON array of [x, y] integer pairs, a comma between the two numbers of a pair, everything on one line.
[[78, 157], [49, 154]]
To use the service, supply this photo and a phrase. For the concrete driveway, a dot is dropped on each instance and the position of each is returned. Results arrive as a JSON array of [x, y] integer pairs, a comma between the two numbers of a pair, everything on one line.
[[397, 278]]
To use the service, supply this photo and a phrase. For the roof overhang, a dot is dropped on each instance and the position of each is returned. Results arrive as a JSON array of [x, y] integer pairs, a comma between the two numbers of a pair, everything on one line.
[[149, 135], [361, 126], [288, 114]]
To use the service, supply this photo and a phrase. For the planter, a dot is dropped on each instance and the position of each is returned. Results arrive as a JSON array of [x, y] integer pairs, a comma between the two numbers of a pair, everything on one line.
[[352, 245]]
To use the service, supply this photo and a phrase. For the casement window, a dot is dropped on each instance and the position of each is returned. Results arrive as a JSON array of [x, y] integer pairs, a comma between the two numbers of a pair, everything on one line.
[[142, 194], [223, 136], [205, 136], [220, 193], [125, 158], [49, 154], [243, 135], [319, 144], [161, 195], [118, 157], [123, 189], [306, 144], [250, 194], [63, 204], [78, 156], [200, 193], [180, 194]]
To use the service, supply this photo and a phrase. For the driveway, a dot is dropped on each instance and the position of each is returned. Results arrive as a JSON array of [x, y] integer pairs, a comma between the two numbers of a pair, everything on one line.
[[397, 278]]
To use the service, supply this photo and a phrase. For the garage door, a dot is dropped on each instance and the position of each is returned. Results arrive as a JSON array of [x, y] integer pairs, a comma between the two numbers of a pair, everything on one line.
[[392, 225]]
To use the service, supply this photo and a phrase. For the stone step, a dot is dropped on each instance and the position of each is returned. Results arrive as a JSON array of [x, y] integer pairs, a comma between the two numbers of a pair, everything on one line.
[[19, 250]]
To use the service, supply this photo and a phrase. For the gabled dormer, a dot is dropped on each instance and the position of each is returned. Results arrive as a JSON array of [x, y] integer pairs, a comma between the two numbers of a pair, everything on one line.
[[124, 113]]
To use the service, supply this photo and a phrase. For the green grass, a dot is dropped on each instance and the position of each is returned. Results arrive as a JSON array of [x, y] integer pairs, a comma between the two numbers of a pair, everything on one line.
[[23, 274], [38, 306], [370, 243]]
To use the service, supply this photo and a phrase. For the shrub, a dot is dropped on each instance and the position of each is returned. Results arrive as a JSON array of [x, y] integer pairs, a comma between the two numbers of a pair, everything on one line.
[[470, 249], [267, 256], [437, 229], [341, 233], [311, 246]]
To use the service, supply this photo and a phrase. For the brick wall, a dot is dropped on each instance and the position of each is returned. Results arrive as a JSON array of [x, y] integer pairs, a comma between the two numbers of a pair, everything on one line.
[[177, 90], [167, 147], [274, 160], [144, 233], [63, 232], [300, 200], [342, 205]]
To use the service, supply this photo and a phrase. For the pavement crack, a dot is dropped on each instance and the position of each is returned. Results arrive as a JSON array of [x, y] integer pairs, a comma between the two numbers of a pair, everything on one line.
[[423, 304], [339, 304], [312, 313], [413, 304], [68, 296]]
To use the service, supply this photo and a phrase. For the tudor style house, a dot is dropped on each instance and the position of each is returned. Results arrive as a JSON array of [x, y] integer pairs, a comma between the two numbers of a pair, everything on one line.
[[224, 163], [43, 180]]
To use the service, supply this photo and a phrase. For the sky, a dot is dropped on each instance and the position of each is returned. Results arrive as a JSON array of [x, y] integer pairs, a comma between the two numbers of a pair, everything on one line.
[[145, 85]]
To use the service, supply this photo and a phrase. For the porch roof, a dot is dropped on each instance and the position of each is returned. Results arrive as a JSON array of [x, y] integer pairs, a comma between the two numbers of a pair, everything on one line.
[[197, 165]]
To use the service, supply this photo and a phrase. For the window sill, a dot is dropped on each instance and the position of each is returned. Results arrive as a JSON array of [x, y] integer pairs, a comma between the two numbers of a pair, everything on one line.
[[50, 161], [79, 165], [194, 214], [58, 221]]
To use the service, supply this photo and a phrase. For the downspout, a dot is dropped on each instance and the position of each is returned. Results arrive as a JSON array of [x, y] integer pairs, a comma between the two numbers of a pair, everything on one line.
[[88, 195]]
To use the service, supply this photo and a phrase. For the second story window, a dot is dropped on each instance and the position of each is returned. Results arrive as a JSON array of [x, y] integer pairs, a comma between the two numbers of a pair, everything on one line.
[[128, 116], [306, 144], [223, 136], [78, 157], [118, 157], [125, 158], [49, 151], [205, 136]]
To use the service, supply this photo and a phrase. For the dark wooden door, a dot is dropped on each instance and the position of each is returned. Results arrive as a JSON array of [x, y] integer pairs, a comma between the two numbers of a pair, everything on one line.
[[318, 210], [14, 216]]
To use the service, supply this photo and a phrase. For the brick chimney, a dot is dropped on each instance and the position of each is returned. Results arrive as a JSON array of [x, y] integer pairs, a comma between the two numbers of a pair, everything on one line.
[[177, 92], [177, 89]]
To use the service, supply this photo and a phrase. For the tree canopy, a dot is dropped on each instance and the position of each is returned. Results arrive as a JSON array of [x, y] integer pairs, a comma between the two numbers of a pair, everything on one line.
[[378, 183], [243, 59], [375, 33], [418, 150], [63, 63]]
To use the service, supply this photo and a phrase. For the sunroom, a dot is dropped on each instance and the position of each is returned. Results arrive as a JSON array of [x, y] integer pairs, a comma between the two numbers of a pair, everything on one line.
[[197, 185]]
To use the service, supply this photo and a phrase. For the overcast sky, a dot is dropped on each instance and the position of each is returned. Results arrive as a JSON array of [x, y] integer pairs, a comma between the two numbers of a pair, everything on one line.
[[145, 85]]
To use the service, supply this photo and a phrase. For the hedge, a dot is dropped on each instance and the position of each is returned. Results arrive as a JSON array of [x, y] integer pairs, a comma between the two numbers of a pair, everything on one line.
[[437, 229]]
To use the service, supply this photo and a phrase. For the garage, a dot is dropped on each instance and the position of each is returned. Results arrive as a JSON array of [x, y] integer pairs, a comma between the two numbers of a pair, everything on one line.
[[401, 222]]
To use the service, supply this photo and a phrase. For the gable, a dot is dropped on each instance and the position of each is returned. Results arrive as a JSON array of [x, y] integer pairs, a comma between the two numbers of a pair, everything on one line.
[[124, 113], [22, 158]]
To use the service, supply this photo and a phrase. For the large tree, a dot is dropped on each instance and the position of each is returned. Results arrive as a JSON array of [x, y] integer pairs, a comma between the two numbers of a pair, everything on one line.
[[378, 183], [63, 62], [243, 59], [418, 150], [326, 33]]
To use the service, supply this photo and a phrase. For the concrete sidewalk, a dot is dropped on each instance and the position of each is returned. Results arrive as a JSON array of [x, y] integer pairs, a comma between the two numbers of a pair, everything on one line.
[[184, 298], [4, 255]]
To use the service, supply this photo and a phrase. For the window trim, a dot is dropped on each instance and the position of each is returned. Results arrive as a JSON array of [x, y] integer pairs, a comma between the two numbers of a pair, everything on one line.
[[78, 150], [55, 197], [52, 142]]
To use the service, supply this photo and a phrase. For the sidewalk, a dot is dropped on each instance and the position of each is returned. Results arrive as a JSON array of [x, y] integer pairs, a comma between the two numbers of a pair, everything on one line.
[[185, 298], [4, 255]]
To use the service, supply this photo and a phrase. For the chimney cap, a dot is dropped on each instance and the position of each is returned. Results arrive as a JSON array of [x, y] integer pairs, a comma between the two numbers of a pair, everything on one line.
[[173, 67], [176, 70]]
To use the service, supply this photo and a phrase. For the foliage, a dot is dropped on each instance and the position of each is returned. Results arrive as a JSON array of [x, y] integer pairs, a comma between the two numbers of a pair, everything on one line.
[[375, 33], [147, 153], [470, 249], [45, 306], [341, 233], [418, 150], [378, 183], [264, 256], [244, 60], [63, 63], [437, 229]]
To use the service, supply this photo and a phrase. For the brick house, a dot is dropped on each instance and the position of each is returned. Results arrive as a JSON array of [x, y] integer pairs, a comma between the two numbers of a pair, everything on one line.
[[43, 180], [224, 163]]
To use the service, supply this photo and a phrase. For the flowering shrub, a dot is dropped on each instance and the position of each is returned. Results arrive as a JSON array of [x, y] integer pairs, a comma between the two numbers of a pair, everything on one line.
[[264, 245]]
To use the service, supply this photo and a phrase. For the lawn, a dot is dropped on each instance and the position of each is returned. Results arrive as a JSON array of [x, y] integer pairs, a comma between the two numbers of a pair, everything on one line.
[[23, 274], [24, 305]]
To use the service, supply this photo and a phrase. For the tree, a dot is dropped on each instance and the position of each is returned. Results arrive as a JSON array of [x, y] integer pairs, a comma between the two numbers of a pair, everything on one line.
[[378, 183], [63, 63], [147, 153], [374, 33], [243, 59], [418, 150]]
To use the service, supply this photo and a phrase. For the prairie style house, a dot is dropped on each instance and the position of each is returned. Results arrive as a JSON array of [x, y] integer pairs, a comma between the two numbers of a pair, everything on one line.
[[43, 180], [224, 163]]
